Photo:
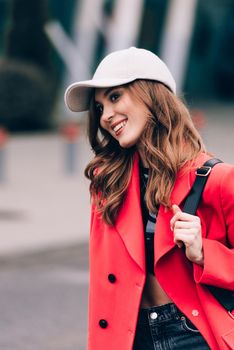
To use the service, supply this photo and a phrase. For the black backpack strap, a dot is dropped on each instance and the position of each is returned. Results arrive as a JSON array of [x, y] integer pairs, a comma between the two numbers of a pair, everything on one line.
[[194, 196], [225, 297]]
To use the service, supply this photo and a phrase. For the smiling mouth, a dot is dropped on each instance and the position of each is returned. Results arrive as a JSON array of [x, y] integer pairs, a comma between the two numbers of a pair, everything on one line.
[[119, 126]]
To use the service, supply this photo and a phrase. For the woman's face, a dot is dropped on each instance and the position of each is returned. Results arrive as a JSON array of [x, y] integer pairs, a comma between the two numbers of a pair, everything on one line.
[[121, 114]]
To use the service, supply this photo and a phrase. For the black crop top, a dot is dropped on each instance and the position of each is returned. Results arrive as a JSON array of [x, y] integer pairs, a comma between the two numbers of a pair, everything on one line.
[[149, 220]]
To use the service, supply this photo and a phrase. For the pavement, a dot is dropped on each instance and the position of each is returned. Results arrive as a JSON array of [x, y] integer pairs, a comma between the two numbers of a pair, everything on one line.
[[42, 206], [44, 300]]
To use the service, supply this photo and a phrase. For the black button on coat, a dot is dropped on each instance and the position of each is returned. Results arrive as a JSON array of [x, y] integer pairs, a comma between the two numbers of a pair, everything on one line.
[[103, 323], [111, 278]]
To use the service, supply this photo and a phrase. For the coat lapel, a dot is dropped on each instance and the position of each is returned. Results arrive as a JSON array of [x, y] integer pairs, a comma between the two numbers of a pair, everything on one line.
[[129, 223], [163, 238]]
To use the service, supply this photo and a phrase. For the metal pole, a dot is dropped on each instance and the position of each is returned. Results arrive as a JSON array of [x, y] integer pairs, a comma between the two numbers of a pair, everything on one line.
[[3, 140], [124, 27], [70, 132], [177, 36], [2, 164]]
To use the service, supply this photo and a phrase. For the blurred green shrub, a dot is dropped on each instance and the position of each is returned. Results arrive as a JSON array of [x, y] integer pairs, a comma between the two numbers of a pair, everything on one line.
[[26, 100], [27, 79]]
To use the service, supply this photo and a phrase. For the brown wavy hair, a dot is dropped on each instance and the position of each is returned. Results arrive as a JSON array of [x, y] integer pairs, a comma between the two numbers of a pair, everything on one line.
[[169, 140]]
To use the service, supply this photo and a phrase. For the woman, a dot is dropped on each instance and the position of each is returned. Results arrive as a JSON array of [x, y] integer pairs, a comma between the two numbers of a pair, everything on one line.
[[146, 291]]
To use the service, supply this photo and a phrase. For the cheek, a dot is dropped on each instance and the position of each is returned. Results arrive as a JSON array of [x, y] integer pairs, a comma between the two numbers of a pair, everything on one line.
[[102, 124], [141, 121]]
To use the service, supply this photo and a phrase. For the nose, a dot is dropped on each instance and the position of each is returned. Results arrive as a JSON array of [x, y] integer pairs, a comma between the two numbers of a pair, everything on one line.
[[108, 114]]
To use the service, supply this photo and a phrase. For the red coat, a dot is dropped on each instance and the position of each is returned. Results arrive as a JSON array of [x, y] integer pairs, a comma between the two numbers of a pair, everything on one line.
[[117, 264]]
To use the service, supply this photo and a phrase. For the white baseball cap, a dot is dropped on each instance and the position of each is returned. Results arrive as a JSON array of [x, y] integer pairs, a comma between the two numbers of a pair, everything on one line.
[[119, 68]]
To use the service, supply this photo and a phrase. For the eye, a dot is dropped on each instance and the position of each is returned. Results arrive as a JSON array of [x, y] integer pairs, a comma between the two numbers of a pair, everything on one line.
[[114, 96], [98, 109]]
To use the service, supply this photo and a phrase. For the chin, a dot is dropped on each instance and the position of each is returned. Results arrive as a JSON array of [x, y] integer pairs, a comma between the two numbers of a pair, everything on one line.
[[126, 144]]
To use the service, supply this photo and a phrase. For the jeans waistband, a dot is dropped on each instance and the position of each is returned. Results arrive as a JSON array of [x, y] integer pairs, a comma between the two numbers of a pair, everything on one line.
[[159, 314]]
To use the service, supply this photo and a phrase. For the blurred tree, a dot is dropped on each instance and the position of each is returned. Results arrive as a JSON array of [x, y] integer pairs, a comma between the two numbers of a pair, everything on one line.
[[210, 68], [223, 61], [153, 18], [25, 98], [3, 6], [108, 8], [26, 39], [26, 73], [65, 13]]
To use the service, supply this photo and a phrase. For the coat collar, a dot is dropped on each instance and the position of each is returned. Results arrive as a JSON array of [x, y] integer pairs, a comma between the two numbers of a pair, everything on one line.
[[129, 222]]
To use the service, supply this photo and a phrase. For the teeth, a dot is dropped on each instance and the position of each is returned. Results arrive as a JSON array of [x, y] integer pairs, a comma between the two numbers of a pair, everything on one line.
[[119, 126]]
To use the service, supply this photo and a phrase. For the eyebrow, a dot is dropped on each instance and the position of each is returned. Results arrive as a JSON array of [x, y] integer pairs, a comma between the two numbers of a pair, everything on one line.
[[109, 90]]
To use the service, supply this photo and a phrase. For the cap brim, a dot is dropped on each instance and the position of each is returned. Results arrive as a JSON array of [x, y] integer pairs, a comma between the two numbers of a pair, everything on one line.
[[77, 95]]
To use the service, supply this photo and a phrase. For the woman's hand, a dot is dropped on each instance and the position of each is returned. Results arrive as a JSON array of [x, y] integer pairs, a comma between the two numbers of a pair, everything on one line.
[[187, 232]]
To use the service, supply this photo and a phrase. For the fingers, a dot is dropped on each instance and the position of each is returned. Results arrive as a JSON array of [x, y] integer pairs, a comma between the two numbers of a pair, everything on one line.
[[176, 209], [186, 224], [180, 216], [187, 239], [178, 242], [187, 232], [185, 227]]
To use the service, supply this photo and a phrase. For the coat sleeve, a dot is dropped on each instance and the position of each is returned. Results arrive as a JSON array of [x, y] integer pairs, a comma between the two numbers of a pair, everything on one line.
[[218, 269]]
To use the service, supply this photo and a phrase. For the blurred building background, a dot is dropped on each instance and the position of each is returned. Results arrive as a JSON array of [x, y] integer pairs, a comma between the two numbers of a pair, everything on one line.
[[46, 44]]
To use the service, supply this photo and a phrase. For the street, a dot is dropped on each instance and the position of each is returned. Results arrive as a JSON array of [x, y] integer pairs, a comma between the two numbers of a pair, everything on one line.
[[43, 300]]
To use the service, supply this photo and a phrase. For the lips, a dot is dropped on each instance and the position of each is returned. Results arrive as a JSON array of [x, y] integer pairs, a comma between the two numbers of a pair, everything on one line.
[[118, 126]]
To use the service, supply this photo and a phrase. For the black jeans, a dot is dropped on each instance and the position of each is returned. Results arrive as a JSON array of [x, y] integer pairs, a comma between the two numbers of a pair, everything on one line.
[[166, 328]]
